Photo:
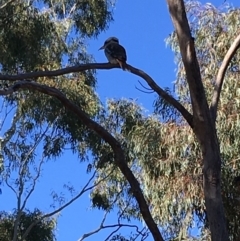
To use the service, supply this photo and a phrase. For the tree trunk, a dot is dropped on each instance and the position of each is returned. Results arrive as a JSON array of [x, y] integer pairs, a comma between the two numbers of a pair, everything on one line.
[[203, 124], [212, 183], [206, 134]]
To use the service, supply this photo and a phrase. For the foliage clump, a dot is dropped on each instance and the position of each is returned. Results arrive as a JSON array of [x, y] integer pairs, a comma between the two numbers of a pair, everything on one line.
[[43, 230]]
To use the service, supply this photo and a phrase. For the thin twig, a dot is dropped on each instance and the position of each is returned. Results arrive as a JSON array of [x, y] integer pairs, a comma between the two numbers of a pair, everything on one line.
[[114, 231], [101, 226], [146, 92], [38, 171], [144, 86], [96, 230], [84, 189], [10, 186]]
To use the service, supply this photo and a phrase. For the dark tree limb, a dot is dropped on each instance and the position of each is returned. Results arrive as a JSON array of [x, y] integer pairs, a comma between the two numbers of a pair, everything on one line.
[[187, 49], [106, 136], [203, 125], [220, 76], [58, 72], [117, 226], [171, 100], [84, 189]]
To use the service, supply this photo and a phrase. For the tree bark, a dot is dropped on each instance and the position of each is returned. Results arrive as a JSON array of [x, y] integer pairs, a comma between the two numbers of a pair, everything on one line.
[[203, 125], [206, 135]]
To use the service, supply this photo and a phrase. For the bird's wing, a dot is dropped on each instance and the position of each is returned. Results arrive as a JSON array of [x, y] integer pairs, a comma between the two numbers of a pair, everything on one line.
[[117, 51]]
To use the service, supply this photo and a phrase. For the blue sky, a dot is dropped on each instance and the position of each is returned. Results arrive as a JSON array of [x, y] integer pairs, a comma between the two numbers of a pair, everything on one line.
[[141, 29]]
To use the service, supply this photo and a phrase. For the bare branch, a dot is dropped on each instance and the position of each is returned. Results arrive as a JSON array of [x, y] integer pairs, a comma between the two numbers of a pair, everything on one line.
[[117, 226], [25, 163], [120, 225], [37, 142], [34, 183], [91, 66], [146, 92], [149, 89], [96, 230], [105, 135], [84, 189], [10, 186], [101, 226], [63, 71], [113, 232], [220, 76], [144, 233], [171, 100]]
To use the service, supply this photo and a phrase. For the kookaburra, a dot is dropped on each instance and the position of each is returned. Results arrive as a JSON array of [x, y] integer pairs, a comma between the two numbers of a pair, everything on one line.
[[115, 53]]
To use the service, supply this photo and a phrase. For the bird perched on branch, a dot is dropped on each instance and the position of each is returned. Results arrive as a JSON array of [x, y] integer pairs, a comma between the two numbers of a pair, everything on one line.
[[115, 53]]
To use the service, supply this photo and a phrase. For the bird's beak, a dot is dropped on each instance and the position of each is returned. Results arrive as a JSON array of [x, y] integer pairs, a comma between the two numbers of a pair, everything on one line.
[[102, 47]]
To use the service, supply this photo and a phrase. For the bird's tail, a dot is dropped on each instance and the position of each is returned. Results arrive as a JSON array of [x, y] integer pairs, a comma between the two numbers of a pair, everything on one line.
[[123, 65]]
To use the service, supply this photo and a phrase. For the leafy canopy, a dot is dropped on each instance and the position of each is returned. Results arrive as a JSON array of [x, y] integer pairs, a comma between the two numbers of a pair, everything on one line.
[[160, 149], [44, 230], [163, 152]]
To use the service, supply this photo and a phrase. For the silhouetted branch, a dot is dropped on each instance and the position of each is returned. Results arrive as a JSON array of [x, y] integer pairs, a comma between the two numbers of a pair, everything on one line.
[[96, 230], [84, 67], [113, 232], [146, 92], [145, 87], [106, 136], [188, 117], [59, 72], [38, 170], [220, 76], [84, 189], [117, 226]]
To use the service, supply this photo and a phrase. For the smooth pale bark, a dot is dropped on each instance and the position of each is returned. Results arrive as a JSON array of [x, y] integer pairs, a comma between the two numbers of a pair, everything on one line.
[[221, 74], [203, 125]]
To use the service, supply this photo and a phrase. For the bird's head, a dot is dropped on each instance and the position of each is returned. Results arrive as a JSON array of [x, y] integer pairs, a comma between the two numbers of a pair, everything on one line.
[[110, 40]]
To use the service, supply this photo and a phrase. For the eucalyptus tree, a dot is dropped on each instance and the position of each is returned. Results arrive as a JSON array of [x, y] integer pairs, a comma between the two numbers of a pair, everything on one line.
[[43, 230], [40, 36], [171, 167], [165, 152]]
